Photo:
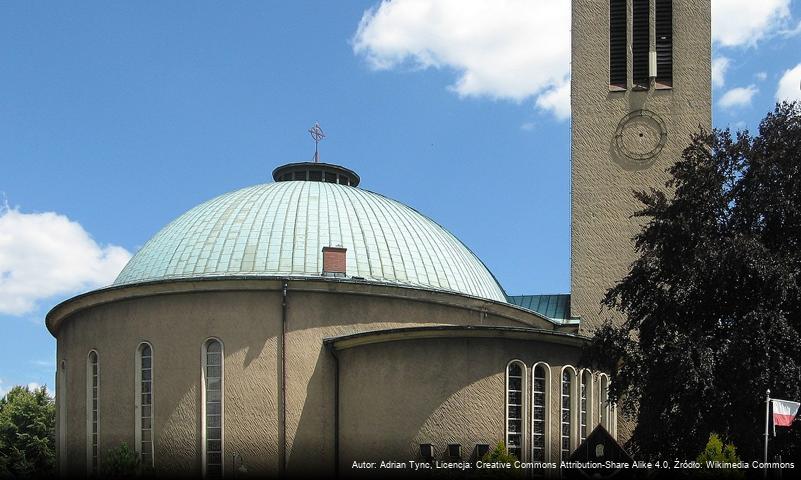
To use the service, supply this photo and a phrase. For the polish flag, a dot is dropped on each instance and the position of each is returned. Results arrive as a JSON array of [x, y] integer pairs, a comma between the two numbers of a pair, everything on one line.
[[784, 412]]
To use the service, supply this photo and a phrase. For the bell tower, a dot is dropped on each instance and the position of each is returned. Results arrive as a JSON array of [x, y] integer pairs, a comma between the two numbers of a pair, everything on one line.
[[641, 74]]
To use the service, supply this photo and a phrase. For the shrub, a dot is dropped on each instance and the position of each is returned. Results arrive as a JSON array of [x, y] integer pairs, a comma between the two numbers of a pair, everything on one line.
[[120, 462]]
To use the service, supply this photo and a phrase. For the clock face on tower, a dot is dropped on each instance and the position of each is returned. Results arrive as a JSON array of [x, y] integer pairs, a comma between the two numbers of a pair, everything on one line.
[[639, 138]]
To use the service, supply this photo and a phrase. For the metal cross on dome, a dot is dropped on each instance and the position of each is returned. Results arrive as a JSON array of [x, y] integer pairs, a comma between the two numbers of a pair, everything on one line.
[[317, 134]]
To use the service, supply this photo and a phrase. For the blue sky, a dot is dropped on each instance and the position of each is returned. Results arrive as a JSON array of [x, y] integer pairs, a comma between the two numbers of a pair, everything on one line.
[[116, 117]]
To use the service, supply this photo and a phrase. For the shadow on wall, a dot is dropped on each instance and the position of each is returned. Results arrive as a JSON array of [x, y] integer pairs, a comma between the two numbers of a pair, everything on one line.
[[312, 445], [395, 396]]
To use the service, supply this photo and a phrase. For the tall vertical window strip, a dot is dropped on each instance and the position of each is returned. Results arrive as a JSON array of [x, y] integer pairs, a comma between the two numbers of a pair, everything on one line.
[[585, 385], [92, 412], [538, 416], [514, 409], [567, 385], [613, 420], [213, 408], [617, 43], [603, 401], [146, 406], [640, 41], [664, 41]]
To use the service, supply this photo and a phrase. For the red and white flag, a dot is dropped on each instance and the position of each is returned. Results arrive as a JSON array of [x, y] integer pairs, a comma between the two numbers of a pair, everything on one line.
[[784, 412]]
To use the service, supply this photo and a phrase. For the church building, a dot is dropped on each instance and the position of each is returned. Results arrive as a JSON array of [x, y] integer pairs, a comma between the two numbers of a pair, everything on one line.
[[305, 325]]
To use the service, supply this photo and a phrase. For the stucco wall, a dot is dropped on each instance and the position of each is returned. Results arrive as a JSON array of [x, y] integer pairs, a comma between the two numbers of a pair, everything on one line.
[[176, 326], [602, 184], [395, 396], [177, 317]]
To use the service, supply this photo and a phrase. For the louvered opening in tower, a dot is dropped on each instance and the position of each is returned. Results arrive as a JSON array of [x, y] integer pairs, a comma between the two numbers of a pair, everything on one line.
[[617, 44], [664, 42], [640, 42]]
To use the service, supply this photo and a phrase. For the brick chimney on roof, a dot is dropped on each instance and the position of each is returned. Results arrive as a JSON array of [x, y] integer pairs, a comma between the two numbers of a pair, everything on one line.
[[334, 261]]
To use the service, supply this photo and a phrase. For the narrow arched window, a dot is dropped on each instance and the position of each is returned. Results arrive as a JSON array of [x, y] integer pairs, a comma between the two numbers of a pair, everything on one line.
[[584, 405], [540, 388], [212, 408], [144, 407], [613, 420], [514, 408], [603, 400], [568, 376], [92, 411]]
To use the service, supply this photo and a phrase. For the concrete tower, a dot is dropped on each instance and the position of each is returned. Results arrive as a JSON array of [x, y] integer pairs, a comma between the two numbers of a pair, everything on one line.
[[640, 87]]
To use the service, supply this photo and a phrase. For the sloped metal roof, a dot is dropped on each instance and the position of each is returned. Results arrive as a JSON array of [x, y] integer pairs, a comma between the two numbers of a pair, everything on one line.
[[555, 307], [281, 228]]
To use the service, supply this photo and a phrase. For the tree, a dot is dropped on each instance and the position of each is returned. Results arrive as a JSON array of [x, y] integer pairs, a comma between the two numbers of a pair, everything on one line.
[[27, 433], [716, 455], [712, 306]]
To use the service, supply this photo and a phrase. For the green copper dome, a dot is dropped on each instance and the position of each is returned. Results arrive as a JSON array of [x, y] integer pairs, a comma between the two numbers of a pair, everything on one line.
[[279, 229]]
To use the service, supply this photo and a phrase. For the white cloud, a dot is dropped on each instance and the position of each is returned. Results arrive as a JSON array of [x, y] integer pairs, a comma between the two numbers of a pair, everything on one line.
[[557, 100], [745, 22], [496, 46], [738, 97], [46, 254], [761, 76], [790, 85], [5, 388], [719, 67], [791, 32]]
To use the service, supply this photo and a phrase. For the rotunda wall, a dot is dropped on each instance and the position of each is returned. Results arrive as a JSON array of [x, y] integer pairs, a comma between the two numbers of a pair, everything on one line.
[[397, 395], [177, 317]]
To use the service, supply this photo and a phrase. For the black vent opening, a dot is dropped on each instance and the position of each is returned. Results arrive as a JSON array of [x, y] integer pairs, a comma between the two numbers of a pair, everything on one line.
[[664, 42], [617, 43], [640, 42]]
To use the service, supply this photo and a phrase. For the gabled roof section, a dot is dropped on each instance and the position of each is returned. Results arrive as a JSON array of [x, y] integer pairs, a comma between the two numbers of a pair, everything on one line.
[[556, 307], [600, 446]]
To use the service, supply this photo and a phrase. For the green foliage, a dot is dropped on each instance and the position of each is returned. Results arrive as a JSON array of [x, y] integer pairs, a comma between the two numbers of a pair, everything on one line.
[[713, 303], [716, 452], [27, 433], [500, 454], [120, 462]]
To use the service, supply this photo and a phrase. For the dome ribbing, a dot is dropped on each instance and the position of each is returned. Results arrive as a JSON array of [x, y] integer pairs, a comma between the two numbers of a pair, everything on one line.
[[279, 229]]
